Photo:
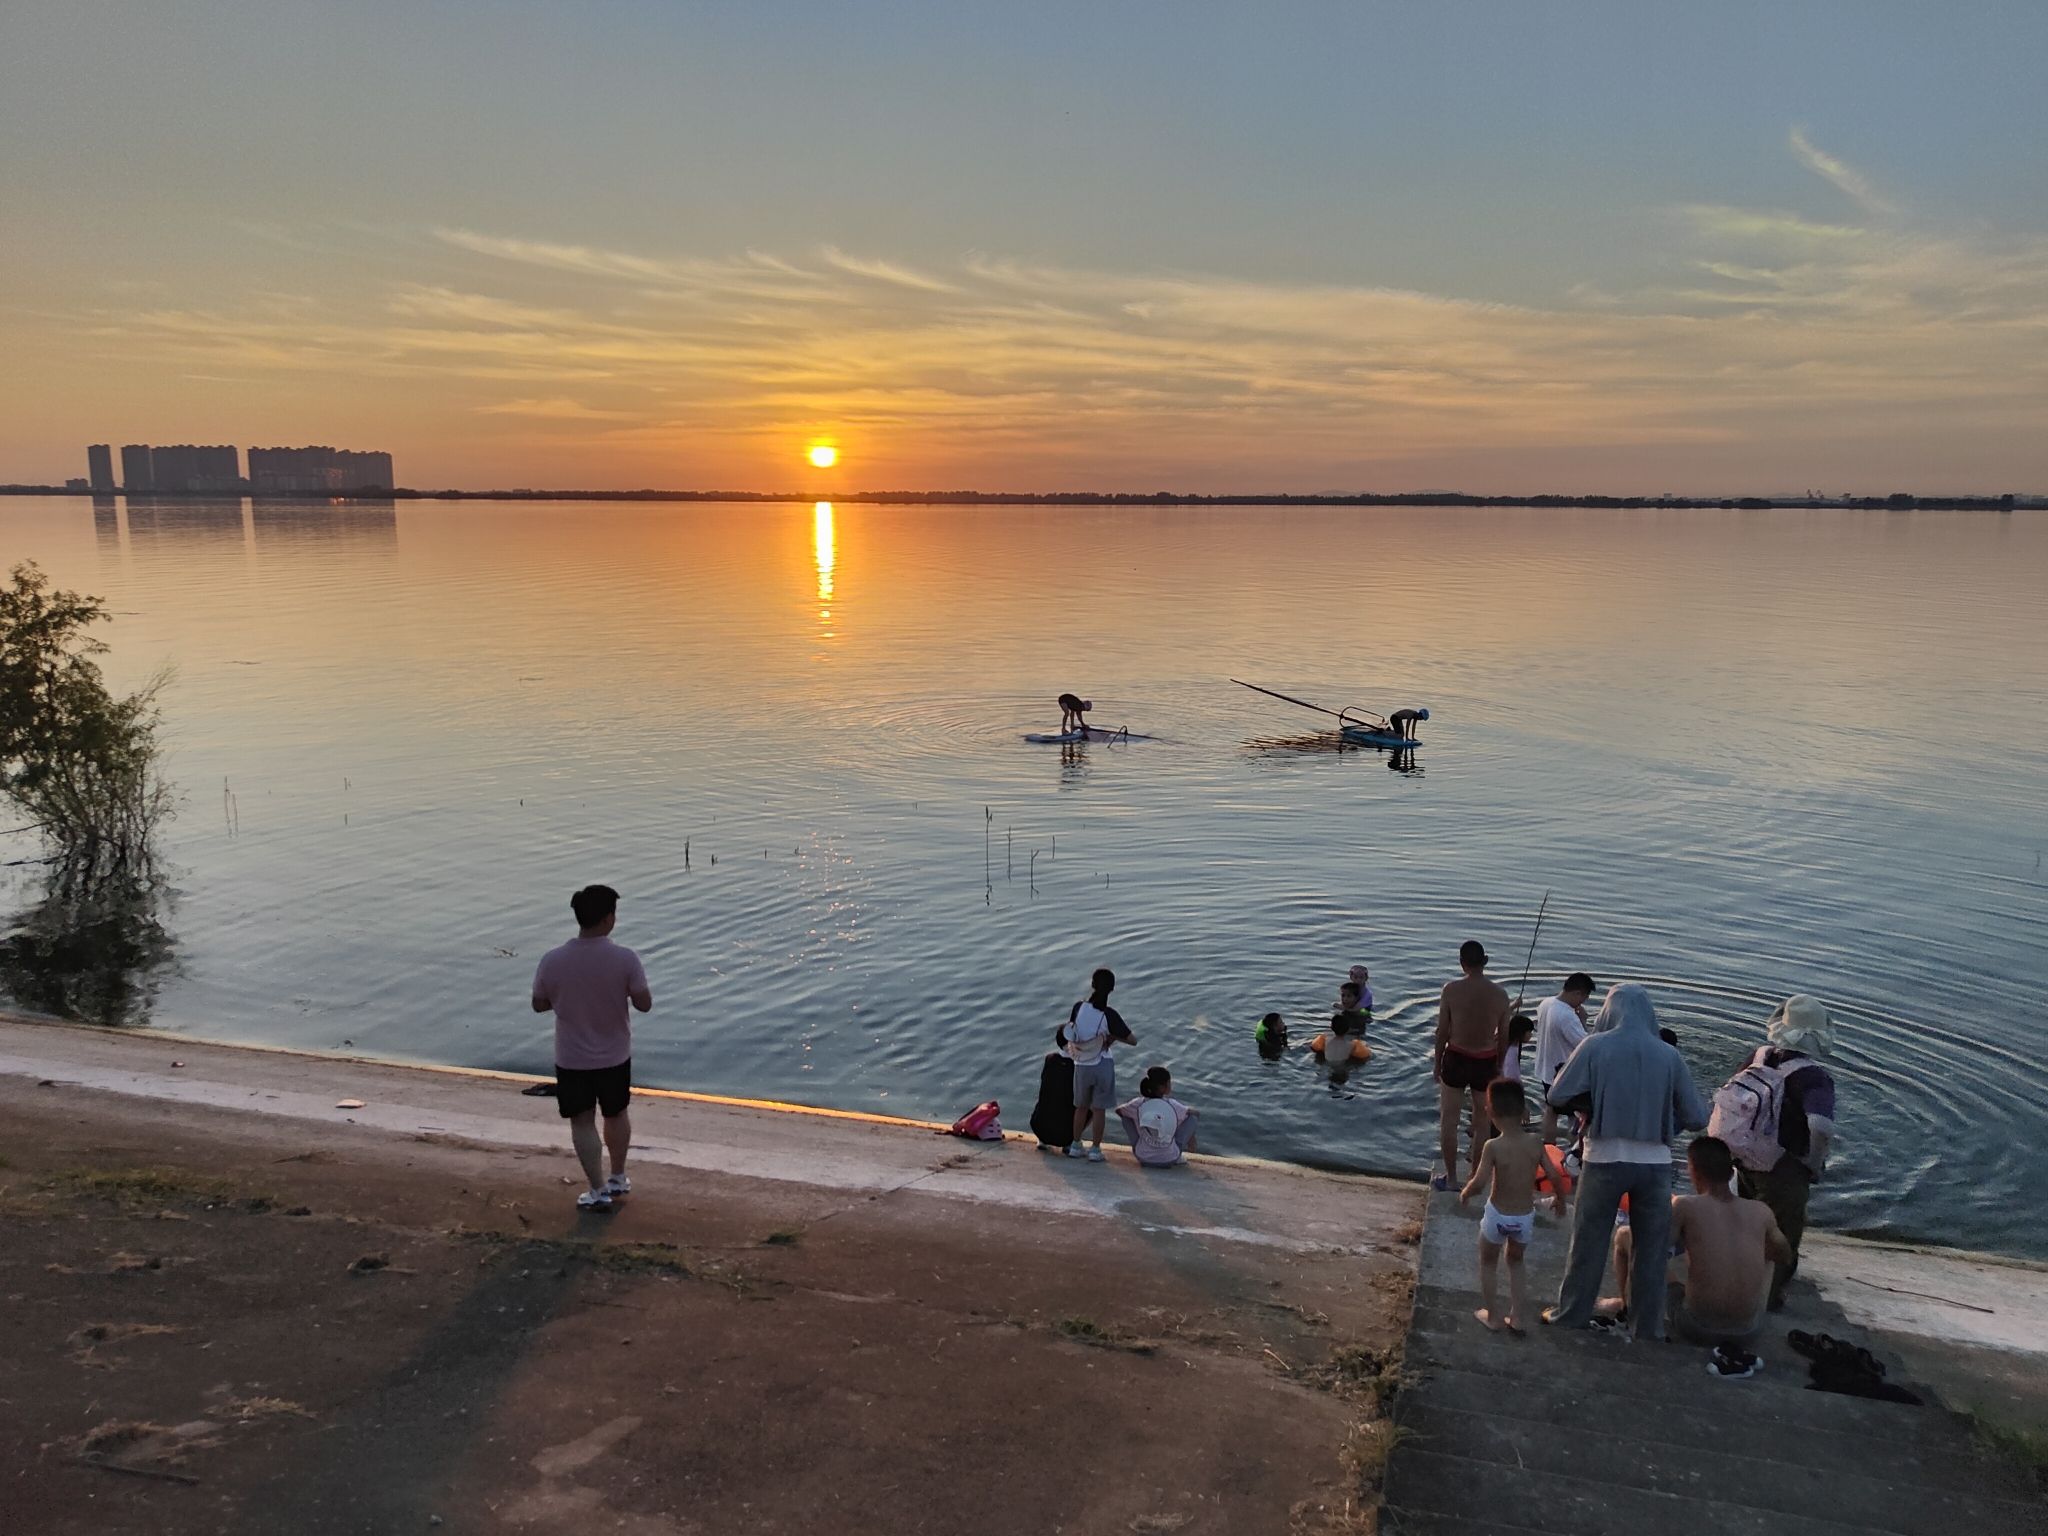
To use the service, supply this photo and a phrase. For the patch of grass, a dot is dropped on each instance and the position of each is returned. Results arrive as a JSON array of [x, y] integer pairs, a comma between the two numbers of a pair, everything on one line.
[[142, 1188], [2026, 1448], [1352, 1371], [1085, 1330]]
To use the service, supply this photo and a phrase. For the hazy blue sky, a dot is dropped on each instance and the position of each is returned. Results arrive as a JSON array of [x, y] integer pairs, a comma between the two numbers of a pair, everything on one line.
[[1044, 245]]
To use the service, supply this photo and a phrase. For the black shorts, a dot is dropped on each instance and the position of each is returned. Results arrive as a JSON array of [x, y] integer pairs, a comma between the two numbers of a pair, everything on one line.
[[577, 1089], [1473, 1072]]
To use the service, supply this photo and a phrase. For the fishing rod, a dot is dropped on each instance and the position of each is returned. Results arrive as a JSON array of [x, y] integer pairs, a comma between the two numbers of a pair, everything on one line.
[[1341, 714], [1530, 958]]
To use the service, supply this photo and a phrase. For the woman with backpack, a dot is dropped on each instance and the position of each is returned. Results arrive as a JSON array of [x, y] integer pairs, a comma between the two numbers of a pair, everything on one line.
[[1778, 1117]]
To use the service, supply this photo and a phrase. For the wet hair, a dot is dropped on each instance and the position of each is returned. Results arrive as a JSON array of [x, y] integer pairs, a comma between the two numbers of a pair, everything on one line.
[[593, 904], [1471, 952], [1711, 1159], [1352, 990], [1103, 981], [1578, 981], [1339, 1025], [1520, 1028], [1272, 1021], [1505, 1098]]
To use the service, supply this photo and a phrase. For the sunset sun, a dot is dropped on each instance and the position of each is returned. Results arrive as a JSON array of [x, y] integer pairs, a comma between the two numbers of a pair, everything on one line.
[[822, 455]]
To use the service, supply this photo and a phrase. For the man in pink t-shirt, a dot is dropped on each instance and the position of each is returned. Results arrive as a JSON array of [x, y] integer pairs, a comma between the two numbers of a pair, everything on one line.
[[587, 983]]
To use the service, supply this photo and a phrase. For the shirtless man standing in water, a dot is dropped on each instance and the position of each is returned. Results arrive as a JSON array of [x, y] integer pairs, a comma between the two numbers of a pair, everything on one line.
[[1471, 1026]]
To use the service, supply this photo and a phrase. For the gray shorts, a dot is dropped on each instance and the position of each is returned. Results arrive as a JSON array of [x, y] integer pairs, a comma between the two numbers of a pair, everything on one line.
[[1095, 1085]]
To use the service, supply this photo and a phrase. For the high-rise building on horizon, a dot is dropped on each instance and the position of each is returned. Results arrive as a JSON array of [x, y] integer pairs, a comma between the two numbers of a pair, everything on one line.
[[186, 469], [317, 470], [99, 468], [137, 477]]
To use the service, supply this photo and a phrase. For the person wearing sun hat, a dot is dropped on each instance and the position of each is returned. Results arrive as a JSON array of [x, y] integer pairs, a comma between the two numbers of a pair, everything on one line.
[[1800, 1031]]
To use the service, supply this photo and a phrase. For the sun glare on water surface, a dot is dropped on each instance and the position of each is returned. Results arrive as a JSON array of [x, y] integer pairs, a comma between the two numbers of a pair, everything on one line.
[[823, 455]]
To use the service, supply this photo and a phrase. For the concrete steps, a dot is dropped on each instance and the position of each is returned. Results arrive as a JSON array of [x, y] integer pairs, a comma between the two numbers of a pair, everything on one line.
[[1575, 1434]]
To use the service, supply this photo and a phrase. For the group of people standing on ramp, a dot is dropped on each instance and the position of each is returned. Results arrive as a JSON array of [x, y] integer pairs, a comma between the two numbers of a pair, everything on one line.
[[1621, 1092]]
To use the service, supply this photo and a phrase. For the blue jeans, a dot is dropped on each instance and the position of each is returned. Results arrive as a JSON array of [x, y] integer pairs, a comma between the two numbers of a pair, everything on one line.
[[1601, 1186]]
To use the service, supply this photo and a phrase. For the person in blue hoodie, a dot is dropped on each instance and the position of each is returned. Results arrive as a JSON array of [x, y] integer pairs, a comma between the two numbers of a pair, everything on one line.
[[1637, 1096]]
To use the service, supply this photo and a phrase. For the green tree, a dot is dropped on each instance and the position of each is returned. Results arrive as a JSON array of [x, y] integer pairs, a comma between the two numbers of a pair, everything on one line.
[[79, 763]]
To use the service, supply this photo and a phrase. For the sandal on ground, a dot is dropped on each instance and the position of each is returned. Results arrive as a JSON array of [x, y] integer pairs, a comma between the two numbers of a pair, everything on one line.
[[594, 1200]]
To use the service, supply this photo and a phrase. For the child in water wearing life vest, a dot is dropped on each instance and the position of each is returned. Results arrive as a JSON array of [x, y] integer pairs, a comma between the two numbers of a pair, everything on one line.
[[1507, 1166], [1271, 1037]]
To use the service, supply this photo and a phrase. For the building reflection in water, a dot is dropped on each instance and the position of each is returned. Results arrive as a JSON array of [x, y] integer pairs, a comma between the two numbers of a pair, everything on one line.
[[354, 522], [106, 521], [91, 944], [152, 519], [822, 548]]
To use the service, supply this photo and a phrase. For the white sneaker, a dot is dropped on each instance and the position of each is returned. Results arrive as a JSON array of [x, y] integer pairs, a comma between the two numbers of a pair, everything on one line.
[[618, 1184], [1075, 1149], [594, 1200], [1095, 1154]]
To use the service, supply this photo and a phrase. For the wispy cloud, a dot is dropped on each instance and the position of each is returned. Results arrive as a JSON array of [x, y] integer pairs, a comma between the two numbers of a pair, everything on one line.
[[883, 271], [1845, 176], [1784, 328], [553, 408]]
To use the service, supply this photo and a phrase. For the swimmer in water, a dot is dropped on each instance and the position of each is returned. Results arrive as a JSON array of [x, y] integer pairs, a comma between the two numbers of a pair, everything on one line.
[[1072, 713]]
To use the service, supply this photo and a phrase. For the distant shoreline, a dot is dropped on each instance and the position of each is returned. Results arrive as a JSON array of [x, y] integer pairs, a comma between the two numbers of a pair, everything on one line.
[[1896, 502]]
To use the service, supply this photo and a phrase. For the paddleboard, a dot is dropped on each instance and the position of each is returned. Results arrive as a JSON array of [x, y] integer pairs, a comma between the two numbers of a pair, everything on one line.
[[1090, 733], [1365, 738]]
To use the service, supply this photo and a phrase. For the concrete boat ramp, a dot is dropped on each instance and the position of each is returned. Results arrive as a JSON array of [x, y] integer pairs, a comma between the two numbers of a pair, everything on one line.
[[1585, 1435], [1557, 1432]]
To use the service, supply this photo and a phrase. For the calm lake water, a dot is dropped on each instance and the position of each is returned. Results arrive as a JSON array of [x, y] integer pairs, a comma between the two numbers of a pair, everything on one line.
[[1747, 753]]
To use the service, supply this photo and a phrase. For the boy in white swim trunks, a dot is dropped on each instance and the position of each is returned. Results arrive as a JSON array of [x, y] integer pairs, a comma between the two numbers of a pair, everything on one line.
[[1509, 1160]]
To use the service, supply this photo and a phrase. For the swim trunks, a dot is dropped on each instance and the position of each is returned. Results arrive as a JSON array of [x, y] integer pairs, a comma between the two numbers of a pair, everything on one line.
[[1496, 1228], [1471, 1072]]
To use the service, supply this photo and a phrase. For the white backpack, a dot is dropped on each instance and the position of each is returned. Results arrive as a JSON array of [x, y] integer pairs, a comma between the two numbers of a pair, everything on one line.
[[1747, 1109]]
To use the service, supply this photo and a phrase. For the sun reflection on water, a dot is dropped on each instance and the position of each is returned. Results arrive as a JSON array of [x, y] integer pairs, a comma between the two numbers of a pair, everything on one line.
[[821, 547]]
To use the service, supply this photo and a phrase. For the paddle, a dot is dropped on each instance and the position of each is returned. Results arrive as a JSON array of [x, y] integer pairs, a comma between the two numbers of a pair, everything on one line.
[[1341, 714]]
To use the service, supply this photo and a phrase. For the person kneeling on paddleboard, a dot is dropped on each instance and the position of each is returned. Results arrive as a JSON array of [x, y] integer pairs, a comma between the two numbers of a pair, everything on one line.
[[1401, 723], [1072, 713]]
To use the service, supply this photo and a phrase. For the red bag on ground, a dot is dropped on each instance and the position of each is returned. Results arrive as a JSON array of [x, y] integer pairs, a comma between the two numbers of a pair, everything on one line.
[[980, 1123]]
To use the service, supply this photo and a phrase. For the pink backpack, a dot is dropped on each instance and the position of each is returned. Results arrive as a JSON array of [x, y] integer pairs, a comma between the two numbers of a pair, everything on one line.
[[1746, 1112], [980, 1123]]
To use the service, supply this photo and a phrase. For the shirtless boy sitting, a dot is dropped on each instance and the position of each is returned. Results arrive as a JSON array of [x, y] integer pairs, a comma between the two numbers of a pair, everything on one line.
[[1730, 1245], [1509, 1159]]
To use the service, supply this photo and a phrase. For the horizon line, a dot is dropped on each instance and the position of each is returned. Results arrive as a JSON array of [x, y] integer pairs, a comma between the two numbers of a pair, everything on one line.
[[1723, 500]]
